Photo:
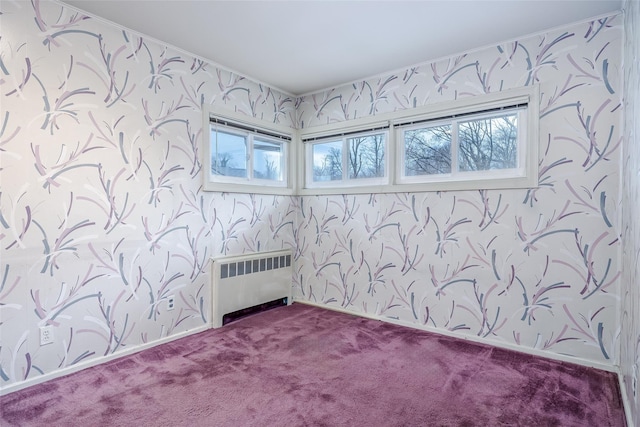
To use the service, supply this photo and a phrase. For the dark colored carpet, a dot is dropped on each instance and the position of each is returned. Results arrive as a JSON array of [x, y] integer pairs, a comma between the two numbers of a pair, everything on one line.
[[305, 366]]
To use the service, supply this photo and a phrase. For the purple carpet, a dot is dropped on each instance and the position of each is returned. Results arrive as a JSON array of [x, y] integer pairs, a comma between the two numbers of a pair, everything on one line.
[[305, 366]]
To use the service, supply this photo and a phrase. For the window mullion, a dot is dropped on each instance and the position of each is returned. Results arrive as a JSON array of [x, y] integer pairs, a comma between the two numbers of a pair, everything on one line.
[[345, 159], [454, 148], [249, 159], [392, 156]]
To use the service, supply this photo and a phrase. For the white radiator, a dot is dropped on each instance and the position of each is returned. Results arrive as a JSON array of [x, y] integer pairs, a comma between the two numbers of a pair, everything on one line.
[[249, 280]]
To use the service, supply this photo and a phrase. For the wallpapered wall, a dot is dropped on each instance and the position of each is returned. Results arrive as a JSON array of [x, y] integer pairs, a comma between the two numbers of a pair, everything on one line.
[[103, 215], [102, 212], [630, 336], [536, 268]]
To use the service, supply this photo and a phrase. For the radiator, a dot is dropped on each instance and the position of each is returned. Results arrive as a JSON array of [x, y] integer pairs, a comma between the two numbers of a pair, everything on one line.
[[244, 281]]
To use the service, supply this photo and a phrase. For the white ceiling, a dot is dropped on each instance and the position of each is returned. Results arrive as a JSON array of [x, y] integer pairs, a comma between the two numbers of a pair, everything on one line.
[[304, 46]]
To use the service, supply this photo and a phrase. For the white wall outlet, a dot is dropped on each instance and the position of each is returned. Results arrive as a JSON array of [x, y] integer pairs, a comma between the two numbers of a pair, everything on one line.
[[46, 334], [171, 302]]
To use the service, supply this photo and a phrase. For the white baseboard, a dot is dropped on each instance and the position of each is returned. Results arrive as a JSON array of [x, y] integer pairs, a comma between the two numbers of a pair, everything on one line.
[[626, 403], [97, 361], [520, 349]]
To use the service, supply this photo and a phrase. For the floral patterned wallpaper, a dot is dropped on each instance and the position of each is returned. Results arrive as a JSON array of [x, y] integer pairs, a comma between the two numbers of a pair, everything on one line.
[[102, 210], [102, 213], [630, 321], [535, 268]]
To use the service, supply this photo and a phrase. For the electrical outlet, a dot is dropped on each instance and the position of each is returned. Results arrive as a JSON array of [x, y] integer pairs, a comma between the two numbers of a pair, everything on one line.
[[46, 334], [171, 302]]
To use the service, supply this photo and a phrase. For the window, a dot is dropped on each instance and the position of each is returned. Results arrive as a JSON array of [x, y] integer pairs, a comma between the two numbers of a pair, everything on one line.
[[242, 155], [348, 159], [488, 145], [482, 142]]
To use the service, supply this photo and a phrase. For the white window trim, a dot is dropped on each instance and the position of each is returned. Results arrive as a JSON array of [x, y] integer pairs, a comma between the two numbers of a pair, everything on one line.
[[254, 186], [465, 176], [346, 181], [480, 103]]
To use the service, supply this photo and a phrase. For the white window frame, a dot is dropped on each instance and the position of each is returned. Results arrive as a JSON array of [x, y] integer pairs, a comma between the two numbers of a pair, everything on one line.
[[346, 180], [485, 177], [525, 176], [236, 123]]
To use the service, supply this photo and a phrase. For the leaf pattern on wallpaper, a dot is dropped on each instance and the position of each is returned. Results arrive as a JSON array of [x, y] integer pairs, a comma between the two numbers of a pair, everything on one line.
[[537, 268], [102, 213]]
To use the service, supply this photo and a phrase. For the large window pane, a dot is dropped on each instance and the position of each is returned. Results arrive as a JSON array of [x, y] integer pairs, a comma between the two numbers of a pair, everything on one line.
[[427, 151], [366, 156], [489, 143], [327, 161], [267, 160], [228, 154]]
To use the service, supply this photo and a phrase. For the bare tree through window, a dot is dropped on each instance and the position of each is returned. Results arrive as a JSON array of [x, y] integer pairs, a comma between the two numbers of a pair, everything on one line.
[[487, 144], [366, 156], [482, 144], [267, 159], [220, 163], [428, 151], [474, 145], [327, 161]]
